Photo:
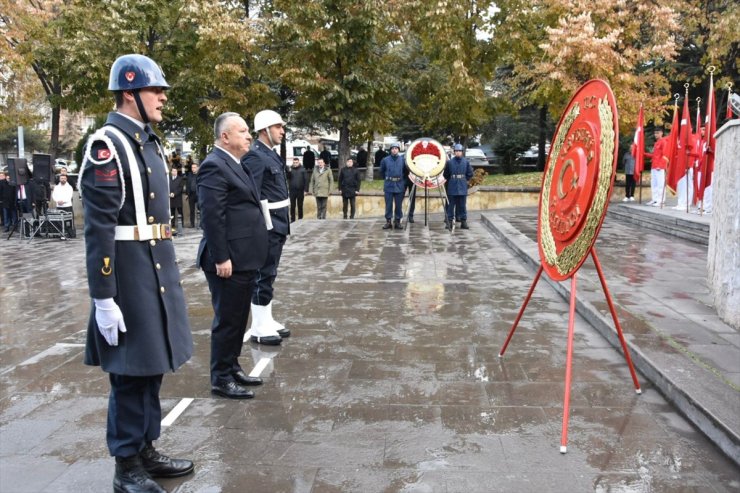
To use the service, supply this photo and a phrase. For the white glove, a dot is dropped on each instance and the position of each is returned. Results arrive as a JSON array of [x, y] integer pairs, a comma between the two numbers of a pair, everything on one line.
[[109, 319]]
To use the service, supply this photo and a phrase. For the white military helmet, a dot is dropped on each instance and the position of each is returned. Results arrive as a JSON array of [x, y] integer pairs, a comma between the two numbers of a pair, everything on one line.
[[267, 118]]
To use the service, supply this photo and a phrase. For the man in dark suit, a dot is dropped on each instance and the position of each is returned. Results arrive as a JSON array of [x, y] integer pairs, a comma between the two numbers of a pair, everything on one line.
[[7, 202], [233, 247], [269, 175], [176, 190], [191, 191], [138, 328]]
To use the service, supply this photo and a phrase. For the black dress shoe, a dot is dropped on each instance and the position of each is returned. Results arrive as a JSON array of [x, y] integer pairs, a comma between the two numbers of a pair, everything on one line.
[[244, 379], [161, 466], [231, 390], [411, 219], [131, 477], [267, 341], [284, 333]]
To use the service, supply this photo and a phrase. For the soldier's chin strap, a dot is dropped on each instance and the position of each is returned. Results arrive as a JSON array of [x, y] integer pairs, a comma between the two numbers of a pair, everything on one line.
[[140, 106], [269, 137]]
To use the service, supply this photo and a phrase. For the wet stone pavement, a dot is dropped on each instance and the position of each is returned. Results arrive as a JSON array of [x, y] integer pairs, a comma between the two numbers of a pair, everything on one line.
[[391, 381]]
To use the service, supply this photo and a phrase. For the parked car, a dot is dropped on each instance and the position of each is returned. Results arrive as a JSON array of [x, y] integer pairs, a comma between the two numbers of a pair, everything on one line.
[[478, 159], [528, 158]]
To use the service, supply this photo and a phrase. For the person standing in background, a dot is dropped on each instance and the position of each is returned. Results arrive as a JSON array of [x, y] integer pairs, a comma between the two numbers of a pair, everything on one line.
[[191, 190], [297, 187], [628, 160], [349, 184], [322, 182]]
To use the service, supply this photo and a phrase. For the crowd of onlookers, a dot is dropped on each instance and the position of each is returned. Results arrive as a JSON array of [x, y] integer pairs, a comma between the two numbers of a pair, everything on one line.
[[34, 198]]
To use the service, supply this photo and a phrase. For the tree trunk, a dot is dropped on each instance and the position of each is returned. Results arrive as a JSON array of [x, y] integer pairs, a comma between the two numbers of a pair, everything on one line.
[[344, 151], [54, 145], [541, 155]]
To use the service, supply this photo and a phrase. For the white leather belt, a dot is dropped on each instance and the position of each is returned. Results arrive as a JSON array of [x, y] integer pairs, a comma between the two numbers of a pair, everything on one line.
[[278, 205], [148, 232]]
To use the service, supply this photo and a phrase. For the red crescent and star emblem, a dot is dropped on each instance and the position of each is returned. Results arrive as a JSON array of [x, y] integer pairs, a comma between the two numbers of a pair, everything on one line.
[[130, 76], [104, 154]]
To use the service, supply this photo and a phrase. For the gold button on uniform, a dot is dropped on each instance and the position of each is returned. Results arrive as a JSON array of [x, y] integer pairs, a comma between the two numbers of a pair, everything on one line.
[[149, 170], [151, 195], [159, 266], [151, 219], [152, 242], [161, 290]]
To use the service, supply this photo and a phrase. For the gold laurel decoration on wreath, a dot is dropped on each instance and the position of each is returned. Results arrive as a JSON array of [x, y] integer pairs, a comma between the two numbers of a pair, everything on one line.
[[546, 238], [574, 253]]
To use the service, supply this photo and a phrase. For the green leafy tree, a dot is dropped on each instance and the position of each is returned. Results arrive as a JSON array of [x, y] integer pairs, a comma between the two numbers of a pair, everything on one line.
[[34, 35], [334, 57], [21, 103], [450, 66], [204, 48]]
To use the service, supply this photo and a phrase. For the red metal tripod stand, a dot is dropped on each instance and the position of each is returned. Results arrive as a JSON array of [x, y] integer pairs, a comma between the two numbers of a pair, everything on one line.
[[571, 327]]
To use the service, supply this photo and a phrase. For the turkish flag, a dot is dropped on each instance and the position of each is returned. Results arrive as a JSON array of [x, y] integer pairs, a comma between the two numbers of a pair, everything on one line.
[[680, 158], [671, 150], [710, 124]]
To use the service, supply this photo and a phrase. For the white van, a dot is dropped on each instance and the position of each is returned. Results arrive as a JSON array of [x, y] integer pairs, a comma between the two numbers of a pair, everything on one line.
[[297, 148]]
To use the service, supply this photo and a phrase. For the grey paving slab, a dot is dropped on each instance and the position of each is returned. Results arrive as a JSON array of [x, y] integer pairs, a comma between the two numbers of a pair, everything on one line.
[[658, 283], [391, 381]]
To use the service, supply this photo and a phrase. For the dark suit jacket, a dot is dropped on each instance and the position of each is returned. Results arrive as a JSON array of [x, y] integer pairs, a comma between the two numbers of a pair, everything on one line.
[[231, 216], [177, 186]]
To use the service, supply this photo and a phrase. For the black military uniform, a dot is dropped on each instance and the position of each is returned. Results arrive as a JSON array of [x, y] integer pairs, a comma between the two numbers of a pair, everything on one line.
[[268, 172]]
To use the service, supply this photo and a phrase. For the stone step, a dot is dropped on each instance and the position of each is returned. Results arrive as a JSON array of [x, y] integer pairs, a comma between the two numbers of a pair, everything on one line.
[[668, 221]]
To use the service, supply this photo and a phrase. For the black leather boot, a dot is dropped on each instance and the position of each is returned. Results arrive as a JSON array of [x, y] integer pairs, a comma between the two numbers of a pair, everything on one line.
[[131, 477], [387, 225], [464, 224], [161, 466], [397, 224]]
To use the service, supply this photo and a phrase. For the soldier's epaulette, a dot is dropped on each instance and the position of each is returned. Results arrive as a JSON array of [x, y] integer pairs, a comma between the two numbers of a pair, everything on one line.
[[104, 155]]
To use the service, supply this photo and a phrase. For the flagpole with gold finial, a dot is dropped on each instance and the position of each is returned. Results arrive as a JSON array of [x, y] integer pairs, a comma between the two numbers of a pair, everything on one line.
[[697, 161], [686, 150]]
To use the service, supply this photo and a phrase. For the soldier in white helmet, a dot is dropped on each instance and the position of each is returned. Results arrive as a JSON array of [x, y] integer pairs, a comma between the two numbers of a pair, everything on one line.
[[268, 171]]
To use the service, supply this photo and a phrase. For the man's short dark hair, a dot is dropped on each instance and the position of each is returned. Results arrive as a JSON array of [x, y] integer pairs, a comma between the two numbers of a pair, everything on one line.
[[119, 98]]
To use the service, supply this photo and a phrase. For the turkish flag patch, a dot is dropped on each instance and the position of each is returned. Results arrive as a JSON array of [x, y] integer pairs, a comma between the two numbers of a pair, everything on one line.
[[130, 76], [103, 154]]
